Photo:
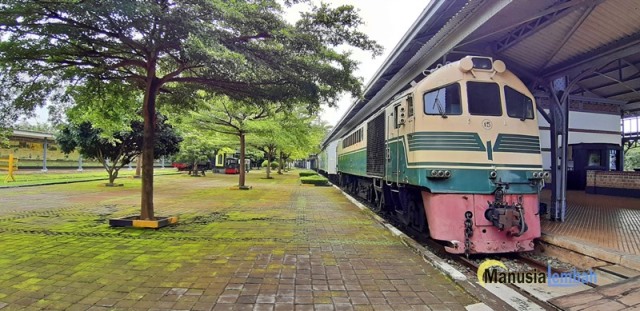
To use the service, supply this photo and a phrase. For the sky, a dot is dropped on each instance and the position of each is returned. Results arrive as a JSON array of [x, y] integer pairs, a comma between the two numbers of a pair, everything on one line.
[[385, 22]]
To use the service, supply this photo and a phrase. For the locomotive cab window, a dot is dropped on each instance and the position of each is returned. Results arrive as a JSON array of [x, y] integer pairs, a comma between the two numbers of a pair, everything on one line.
[[518, 105], [443, 101], [484, 99]]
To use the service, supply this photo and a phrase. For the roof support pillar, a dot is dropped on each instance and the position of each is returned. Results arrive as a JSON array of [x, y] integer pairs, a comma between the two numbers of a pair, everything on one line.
[[45, 145], [559, 140], [80, 169]]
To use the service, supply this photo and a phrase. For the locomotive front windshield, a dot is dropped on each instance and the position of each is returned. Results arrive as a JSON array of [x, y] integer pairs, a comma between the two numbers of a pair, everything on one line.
[[443, 101], [518, 104], [484, 99]]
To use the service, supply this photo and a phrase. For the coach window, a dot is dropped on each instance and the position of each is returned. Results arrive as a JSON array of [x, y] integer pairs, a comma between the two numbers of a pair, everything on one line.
[[484, 99], [444, 101], [518, 105]]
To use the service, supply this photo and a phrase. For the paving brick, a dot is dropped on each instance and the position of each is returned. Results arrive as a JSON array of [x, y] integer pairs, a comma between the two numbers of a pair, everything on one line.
[[278, 247], [599, 220]]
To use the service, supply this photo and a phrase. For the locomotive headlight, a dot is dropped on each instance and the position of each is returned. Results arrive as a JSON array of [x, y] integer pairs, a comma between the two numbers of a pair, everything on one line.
[[439, 174], [493, 174], [545, 175], [536, 175], [469, 63]]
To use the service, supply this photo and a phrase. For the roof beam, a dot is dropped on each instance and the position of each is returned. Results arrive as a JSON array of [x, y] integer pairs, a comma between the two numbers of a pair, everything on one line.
[[568, 35], [631, 107], [628, 91], [597, 100], [587, 89], [596, 58], [625, 80], [632, 89], [526, 30], [546, 12], [617, 68]]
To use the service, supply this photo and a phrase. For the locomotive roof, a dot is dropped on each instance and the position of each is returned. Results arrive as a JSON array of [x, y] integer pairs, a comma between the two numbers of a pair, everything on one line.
[[595, 41]]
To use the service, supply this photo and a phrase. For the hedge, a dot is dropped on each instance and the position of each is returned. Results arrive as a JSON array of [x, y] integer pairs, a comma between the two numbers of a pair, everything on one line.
[[307, 173], [314, 180]]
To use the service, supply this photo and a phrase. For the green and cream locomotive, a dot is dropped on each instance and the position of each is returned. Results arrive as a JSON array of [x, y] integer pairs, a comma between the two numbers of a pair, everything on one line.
[[457, 155]]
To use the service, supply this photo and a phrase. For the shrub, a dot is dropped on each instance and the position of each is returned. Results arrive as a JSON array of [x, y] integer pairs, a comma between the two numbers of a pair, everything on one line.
[[307, 173], [314, 180], [274, 164]]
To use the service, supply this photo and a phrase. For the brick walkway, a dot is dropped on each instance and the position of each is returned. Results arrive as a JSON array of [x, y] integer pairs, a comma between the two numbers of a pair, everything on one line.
[[280, 246], [605, 221], [623, 295]]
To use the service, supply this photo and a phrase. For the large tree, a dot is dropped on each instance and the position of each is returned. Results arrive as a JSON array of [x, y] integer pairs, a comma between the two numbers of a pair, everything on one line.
[[243, 49]]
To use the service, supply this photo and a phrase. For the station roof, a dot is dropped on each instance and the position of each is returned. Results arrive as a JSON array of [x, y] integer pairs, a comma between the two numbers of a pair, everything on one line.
[[33, 135], [596, 42]]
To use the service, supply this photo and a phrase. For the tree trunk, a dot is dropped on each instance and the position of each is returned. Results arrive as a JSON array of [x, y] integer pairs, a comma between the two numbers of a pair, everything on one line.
[[194, 168], [138, 165], [280, 163], [112, 177], [268, 165], [242, 164], [110, 170], [149, 115]]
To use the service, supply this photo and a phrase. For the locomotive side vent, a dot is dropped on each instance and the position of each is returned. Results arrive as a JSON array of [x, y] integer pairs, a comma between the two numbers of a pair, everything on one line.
[[375, 146]]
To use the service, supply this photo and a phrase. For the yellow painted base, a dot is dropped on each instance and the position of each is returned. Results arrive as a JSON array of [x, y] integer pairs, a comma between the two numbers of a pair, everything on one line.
[[138, 223]]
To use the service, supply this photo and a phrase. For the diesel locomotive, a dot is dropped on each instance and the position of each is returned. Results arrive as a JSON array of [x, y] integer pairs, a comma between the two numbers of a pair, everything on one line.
[[457, 156]]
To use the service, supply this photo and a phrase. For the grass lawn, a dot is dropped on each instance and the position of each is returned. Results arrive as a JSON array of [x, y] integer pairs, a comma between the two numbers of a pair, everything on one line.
[[37, 177]]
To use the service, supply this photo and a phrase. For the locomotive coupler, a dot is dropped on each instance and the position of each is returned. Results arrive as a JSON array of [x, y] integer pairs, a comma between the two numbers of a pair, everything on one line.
[[505, 216]]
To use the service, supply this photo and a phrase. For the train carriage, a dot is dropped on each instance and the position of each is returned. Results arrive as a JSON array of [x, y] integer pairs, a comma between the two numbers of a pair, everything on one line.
[[457, 156]]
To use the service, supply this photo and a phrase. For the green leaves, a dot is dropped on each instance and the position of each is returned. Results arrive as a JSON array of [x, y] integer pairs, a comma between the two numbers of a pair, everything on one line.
[[122, 146], [243, 49]]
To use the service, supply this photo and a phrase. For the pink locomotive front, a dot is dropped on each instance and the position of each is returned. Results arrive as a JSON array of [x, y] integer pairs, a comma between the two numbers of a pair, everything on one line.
[[481, 223]]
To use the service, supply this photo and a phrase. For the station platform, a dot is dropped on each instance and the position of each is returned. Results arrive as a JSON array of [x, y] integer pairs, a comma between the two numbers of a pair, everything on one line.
[[606, 228]]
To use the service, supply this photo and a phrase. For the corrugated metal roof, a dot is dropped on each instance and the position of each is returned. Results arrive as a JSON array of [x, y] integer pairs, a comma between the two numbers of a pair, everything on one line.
[[33, 135], [609, 22]]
